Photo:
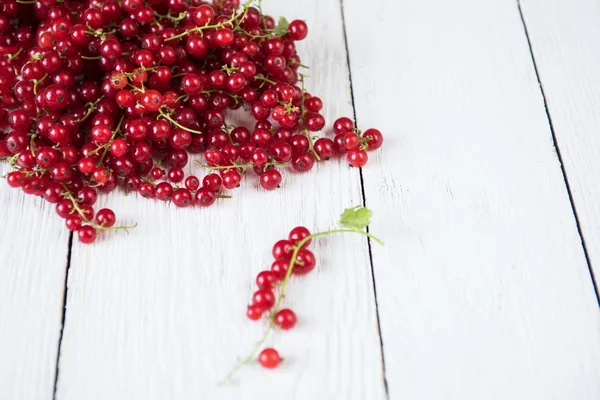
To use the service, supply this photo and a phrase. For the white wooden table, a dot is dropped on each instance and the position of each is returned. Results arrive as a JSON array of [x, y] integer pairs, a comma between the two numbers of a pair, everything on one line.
[[486, 192]]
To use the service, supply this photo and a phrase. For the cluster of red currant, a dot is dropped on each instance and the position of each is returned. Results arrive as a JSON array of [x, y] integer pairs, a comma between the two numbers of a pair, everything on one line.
[[98, 94], [291, 257]]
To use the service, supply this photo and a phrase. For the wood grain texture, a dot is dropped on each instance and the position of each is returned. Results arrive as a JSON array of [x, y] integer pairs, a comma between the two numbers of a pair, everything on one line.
[[160, 313], [564, 40], [483, 288], [33, 259]]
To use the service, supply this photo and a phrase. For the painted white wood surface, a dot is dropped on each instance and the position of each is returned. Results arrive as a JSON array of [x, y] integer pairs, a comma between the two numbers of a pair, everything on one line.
[[564, 37], [33, 260], [160, 314], [482, 286], [483, 289]]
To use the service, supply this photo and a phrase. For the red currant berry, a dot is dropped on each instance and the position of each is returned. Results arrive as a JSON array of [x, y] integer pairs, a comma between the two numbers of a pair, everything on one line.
[[212, 182], [205, 197], [73, 222], [265, 280], [357, 158], [270, 179], [254, 312], [192, 183], [263, 298], [175, 174], [269, 358], [182, 197], [231, 179], [285, 319], [86, 234], [305, 262], [279, 268], [351, 141], [299, 233], [374, 139], [325, 148], [343, 125], [303, 162], [282, 250]]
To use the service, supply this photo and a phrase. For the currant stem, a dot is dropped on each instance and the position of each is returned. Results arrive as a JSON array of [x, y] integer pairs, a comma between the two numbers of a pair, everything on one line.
[[69, 196], [36, 82], [13, 56], [252, 356], [115, 132], [90, 109], [177, 124]]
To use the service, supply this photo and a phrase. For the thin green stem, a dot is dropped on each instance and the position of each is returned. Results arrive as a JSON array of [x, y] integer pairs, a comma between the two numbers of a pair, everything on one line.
[[199, 29], [177, 124], [36, 83], [76, 207], [252, 356], [13, 56], [91, 107], [115, 133], [264, 79]]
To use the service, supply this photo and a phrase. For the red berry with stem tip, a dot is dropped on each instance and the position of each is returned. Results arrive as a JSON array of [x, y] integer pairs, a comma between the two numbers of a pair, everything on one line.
[[299, 233], [374, 139], [263, 298], [270, 179], [285, 319], [205, 197], [192, 183], [182, 197], [357, 158], [163, 191], [269, 358], [303, 162], [305, 262], [106, 218], [146, 189]]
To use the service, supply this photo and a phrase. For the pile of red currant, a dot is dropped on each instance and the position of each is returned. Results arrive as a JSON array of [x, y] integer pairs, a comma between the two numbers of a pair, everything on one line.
[[97, 94]]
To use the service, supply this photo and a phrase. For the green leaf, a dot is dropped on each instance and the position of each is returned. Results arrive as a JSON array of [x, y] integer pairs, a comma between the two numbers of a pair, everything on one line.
[[356, 218], [282, 27]]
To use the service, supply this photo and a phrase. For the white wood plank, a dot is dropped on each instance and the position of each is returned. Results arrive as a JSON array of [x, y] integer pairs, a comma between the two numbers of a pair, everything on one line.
[[564, 37], [33, 260], [483, 289], [161, 313]]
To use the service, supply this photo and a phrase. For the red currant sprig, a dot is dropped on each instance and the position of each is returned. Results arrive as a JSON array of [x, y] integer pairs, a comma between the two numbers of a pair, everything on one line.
[[291, 257]]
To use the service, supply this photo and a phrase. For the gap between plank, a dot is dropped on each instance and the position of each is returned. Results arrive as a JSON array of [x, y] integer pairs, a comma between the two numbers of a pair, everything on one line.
[[560, 159], [64, 313], [364, 201]]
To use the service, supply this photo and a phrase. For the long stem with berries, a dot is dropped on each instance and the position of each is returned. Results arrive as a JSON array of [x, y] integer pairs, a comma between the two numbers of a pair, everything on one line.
[[297, 247]]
